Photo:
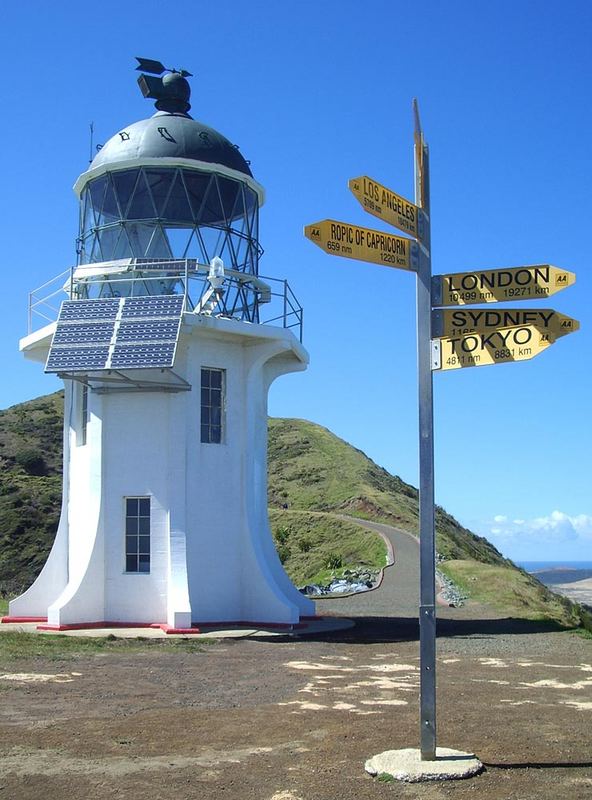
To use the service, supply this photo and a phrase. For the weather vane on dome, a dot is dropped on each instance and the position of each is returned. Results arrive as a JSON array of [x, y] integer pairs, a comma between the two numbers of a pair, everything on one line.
[[171, 92]]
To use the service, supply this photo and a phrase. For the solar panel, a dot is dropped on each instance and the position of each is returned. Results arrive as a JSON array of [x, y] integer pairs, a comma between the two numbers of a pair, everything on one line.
[[77, 333], [137, 332], [165, 265], [153, 306], [77, 310], [147, 330], [76, 359], [141, 354]]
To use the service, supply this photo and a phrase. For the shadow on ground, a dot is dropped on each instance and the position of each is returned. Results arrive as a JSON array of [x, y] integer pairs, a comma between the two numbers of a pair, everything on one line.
[[378, 630]]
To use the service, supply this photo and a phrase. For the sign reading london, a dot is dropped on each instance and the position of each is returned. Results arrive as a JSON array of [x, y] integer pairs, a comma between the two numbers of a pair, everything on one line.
[[493, 285], [458, 321], [388, 205], [363, 244], [480, 349]]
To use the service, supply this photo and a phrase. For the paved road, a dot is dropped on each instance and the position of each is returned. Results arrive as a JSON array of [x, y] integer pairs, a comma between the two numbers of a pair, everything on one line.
[[398, 595]]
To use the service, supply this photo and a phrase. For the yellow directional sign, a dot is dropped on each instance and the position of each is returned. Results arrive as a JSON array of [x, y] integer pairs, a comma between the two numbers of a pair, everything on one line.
[[364, 244], [480, 349], [493, 285], [458, 321], [387, 205]]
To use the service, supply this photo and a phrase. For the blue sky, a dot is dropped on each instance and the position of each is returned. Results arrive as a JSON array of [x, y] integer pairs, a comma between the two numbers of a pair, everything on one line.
[[316, 93]]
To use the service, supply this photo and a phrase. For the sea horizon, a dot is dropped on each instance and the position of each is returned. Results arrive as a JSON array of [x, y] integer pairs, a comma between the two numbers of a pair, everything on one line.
[[536, 566]]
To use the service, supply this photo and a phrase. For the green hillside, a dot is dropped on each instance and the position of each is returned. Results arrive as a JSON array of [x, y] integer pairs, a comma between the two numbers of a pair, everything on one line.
[[30, 488], [311, 469]]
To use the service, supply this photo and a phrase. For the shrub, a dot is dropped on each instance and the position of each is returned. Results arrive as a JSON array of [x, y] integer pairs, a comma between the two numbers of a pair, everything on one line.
[[283, 552], [282, 535], [334, 561], [31, 460]]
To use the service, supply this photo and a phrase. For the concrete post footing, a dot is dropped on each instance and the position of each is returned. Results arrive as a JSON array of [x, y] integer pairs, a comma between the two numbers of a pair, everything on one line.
[[406, 765]]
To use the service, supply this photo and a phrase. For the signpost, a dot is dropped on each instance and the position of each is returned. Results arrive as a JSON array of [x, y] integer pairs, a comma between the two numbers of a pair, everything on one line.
[[447, 339], [363, 244], [389, 206], [493, 285], [456, 322], [479, 349], [427, 534]]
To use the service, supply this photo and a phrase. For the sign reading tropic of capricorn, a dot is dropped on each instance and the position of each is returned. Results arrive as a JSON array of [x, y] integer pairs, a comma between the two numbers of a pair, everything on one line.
[[363, 244], [447, 339]]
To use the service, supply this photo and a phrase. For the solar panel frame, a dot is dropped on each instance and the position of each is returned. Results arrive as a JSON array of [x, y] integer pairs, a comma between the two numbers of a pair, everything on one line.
[[139, 333]]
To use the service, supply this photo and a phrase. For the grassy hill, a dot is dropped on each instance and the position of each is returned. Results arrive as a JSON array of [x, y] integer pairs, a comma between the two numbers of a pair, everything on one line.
[[311, 469], [313, 477]]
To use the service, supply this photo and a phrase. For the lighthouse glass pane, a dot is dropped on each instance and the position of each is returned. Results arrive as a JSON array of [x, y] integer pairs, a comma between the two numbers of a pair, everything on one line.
[[212, 404], [137, 534]]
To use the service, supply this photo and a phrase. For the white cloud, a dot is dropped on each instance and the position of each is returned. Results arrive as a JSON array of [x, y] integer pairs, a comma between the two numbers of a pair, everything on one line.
[[557, 535]]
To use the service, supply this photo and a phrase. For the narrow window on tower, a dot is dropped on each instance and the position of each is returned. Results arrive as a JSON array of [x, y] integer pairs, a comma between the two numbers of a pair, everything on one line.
[[212, 405], [137, 534], [83, 413]]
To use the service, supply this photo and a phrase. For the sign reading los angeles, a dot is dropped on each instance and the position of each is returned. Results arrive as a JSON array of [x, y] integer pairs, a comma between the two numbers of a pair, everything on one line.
[[387, 205], [363, 244], [480, 349], [493, 285], [458, 321]]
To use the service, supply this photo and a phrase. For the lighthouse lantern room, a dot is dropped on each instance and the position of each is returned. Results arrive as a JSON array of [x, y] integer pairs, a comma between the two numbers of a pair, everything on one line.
[[167, 342]]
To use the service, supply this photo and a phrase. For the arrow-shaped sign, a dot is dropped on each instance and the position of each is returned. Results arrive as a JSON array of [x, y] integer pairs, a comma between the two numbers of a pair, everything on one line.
[[480, 349], [387, 205], [459, 321], [363, 244], [493, 285]]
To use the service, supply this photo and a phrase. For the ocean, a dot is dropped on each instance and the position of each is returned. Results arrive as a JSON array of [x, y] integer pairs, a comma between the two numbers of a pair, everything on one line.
[[538, 566]]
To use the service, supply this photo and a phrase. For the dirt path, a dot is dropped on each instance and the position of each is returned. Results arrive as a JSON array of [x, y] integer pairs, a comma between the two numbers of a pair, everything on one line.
[[294, 719]]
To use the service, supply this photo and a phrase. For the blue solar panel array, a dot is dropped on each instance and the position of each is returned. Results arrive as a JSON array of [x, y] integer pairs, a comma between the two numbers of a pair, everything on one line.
[[116, 333], [165, 265]]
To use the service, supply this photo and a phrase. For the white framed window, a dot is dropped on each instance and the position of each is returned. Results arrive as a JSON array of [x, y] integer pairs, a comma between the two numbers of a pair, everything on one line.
[[212, 405], [137, 534]]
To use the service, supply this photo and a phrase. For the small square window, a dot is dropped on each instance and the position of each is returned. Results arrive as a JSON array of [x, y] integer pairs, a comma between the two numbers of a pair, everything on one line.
[[131, 507]]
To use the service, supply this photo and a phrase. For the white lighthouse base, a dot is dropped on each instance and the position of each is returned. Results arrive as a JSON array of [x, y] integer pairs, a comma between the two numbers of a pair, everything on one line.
[[212, 556]]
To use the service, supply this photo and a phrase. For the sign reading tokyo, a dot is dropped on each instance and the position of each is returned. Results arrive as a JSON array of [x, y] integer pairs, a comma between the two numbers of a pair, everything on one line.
[[481, 349], [456, 322], [491, 286], [387, 205], [363, 244]]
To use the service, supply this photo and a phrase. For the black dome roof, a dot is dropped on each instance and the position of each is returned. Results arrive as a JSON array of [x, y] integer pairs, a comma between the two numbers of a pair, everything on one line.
[[168, 135]]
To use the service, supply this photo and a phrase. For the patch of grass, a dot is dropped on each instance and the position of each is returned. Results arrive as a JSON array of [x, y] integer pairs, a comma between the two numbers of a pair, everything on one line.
[[511, 590], [385, 777], [3, 606], [16, 645], [331, 545]]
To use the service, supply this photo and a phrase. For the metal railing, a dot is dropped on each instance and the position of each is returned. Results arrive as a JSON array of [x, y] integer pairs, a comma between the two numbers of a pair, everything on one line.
[[256, 299]]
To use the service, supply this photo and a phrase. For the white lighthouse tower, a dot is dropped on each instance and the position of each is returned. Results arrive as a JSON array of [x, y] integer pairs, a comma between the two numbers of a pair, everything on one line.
[[167, 359]]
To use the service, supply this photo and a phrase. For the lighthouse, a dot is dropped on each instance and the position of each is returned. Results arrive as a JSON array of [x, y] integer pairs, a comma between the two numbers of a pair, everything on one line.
[[167, 341]]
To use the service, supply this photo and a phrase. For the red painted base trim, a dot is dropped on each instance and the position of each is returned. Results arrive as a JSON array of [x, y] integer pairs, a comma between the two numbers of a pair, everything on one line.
[[82, 626], [195, 626], [241, 623]]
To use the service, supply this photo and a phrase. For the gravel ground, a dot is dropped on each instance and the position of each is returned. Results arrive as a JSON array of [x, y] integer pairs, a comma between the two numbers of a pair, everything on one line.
[[291, 718]]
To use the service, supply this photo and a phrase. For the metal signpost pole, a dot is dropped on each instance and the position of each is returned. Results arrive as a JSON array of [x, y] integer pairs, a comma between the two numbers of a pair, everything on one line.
[[427, 611]]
